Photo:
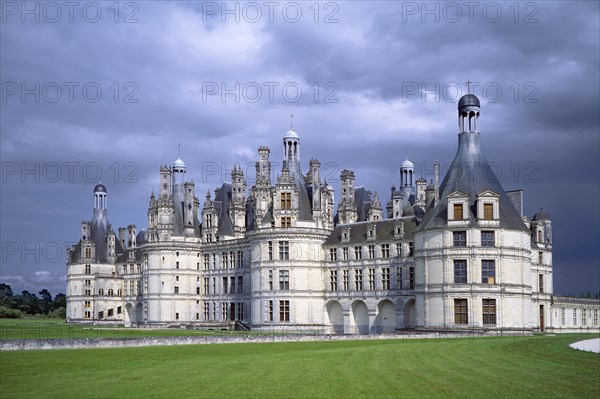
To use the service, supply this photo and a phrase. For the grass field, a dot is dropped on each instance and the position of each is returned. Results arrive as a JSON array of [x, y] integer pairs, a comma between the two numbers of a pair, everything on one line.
[[532, 367]]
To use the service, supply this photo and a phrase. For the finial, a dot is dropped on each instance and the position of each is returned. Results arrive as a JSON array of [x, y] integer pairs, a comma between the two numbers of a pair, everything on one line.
[[468, 83], [179, 150], [292, 122]]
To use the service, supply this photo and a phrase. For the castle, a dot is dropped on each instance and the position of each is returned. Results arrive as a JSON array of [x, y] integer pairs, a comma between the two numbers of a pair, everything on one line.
[[453, 254]]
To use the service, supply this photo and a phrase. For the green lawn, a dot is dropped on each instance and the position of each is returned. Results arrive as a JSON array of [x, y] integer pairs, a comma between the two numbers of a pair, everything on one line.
[[538, 366]]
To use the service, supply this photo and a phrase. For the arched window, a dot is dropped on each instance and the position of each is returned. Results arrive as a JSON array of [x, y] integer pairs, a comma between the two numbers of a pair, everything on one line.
[[101, 291], [111, 292]]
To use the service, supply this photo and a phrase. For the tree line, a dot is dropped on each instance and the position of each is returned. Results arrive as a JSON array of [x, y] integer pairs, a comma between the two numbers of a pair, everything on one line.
[[15, 306]]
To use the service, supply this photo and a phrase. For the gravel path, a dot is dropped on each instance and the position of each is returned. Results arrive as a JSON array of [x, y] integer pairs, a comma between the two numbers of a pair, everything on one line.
[[589, 345]]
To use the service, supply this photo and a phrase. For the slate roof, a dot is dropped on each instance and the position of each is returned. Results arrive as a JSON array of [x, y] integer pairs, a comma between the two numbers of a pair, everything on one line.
[[384, 231]]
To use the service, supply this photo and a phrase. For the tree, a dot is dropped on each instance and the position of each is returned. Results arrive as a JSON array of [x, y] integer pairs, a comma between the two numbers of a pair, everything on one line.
[[46, 302], [60, 301], [7, 298], [29, 303]]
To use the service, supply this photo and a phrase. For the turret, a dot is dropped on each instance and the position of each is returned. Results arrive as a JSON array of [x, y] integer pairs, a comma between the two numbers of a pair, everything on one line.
[[347, 208]]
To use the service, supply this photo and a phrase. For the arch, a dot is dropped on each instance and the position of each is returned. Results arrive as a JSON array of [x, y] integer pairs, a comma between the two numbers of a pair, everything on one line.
[[410, 314], [360, 317], [130, 314], [386, 320], [336, 317]]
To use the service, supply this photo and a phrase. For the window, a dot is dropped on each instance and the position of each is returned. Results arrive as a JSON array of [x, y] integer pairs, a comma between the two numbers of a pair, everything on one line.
[[214, 285], [240, 259], [411, 249], [460, 272], [176, 278], [88, 292], [487, 239], [346, 283], [111, 292], [284, 250], [345, 253], [240, 311], [176, 316], [371, 251], [584, 317], [284, 280], [270, 311], [385, 250], [460, 238], [88, 252], [119, 310], [541, 283], [88, 269], [176, 266], [488, 211], [270, 280], [232, 260], [562, 316], [87, 283], [270, 250], [461, 314], [284, 310], [399, 278], [371, 279], [177, 290], [458, 211], [206, 286], [101, 291], [488, 308], [595, 318], [358, 253], [358, 279], [240, 285], [539, 236], [87, 314], [286, 200], [224, 311], [225, 285], [206, 261], [333, 275], [197, 290], [411, 278], [214, 311], [214, 261], [206, 311], [286, 221], [574, 317], [333, 254], [541, 258], [385, 278], [101, 314], [87, 304], [110, 312], [488, 271], [232, 285]]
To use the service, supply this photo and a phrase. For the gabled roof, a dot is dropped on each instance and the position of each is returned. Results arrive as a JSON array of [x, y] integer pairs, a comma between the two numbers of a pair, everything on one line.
[[384, 230]]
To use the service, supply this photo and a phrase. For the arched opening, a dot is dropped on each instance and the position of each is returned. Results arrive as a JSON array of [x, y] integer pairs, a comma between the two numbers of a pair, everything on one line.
[[139, 313], [360, 317], [410, 314], [130, 314], [386, 320], [336, 317]]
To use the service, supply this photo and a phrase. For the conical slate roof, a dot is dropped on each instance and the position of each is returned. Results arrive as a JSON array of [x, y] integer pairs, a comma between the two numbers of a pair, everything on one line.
[[471, 174]]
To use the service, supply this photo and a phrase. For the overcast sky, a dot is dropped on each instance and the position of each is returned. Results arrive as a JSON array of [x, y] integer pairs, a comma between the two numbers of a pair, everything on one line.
[[96, 91]]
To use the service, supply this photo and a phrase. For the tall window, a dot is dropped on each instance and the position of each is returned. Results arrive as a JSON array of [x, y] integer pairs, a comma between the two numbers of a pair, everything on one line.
[[240, 285], [270, 280], [574, 317], [411, 278], [284, 250], [385, 278], [224, 260], [270, 311], [206, 311], [286, 221], [101, 291], [358, 253], [284, 280], [487, 239], [225, 285], [399, 278], [541, 282], [458, 211], [488, 211], [333, 275], [176, 291], [88, 252], [240, 259], [385, 250], [346, 283], [562, 316], [240, 311], [206, 286], [540, 258], [460, 238], [371, 279], [411, 249], [270, 250], [88, 269], [584, 317], [488, 307], [488, 271], [460, 272], [286, 200], [224, 312], [284, 310], [358, 279], [371, 251], [345, 253], [595, 318], [333, 254], [461, 311]]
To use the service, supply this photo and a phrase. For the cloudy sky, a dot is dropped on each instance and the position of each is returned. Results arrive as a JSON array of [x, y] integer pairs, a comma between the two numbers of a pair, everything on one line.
[[106, 91]]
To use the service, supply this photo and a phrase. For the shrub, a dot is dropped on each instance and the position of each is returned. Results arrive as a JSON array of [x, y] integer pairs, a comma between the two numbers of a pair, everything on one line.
[[6, 313]]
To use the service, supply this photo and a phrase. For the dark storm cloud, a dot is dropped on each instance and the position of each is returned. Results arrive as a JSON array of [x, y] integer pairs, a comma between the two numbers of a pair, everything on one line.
[[374, 57]]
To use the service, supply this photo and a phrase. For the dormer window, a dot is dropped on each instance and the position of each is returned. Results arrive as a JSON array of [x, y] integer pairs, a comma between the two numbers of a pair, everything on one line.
[[458, 211], [286, 200], [458, 207], [488, 211], [488, 204]]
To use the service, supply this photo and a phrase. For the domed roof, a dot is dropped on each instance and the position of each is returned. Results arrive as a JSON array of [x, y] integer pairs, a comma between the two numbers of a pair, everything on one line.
[[541, 215], [291, 134], [468, 99], [407, 164], [100, 188], [179, 164]]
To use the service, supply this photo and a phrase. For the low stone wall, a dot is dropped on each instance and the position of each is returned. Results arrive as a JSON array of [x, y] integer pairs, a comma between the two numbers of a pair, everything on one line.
[[43, 344]]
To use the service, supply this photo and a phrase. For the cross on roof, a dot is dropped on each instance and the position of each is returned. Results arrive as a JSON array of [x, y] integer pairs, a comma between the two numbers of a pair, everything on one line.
[[468, 83], [292, 121]]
